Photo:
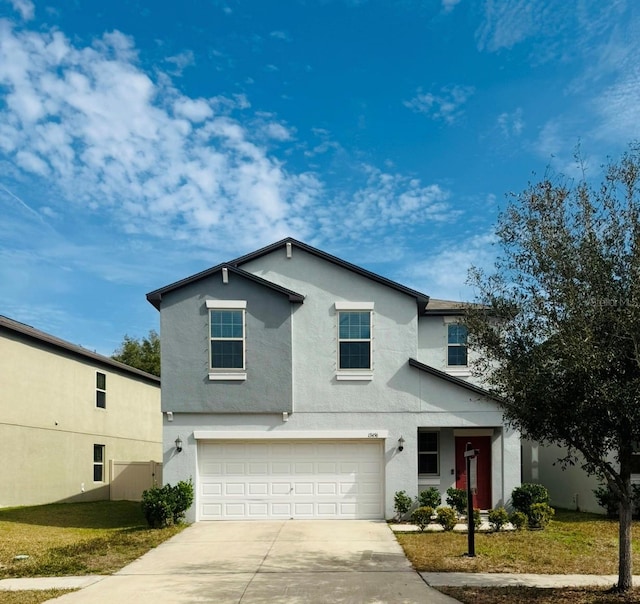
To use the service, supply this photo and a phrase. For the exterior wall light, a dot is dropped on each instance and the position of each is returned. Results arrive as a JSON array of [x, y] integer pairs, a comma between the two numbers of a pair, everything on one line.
[[178, 444], [401, 444]]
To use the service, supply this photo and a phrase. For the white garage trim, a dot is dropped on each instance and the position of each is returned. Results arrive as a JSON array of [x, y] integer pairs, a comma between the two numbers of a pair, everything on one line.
[[289, 434], [260, 479]]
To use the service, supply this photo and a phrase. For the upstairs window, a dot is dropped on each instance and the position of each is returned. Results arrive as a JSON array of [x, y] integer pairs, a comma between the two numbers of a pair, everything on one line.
[[456, 345], [354, 339], [428, 453], [226, 339], [101, 390]]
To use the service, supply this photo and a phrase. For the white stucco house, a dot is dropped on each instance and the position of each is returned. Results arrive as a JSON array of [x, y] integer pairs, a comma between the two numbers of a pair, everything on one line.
[[298, 385]]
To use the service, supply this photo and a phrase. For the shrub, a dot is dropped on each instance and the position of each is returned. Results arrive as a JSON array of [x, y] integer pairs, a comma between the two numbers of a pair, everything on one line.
[[518, 520], [524, 496], [607, 499], [181, 499], [422, 516], [447, 518], [477, 520], [430, 498], [402, 504], [539, 515], [498, 518], [457, 499], [165, 505], [156, 506]]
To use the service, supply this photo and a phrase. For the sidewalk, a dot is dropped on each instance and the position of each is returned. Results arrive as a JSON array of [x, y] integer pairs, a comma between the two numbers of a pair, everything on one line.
[[432, 579]]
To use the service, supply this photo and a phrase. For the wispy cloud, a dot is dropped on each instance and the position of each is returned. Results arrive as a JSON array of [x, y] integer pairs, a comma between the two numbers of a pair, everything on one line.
[[103, 137], [511, 124], [449, 5], [446, 105], [180, 62], [26, 8]]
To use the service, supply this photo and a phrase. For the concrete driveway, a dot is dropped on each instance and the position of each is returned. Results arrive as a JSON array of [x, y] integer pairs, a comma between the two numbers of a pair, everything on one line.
[[293, 561]]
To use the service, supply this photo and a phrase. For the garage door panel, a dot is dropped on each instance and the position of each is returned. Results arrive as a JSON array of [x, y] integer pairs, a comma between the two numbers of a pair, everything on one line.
[[290, 480]]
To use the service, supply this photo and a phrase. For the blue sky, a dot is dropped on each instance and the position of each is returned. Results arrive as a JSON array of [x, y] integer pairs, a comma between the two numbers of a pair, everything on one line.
[[141, 142]]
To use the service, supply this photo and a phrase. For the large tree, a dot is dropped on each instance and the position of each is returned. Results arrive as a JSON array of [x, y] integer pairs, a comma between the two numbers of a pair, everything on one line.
[[558, 328], [143, 353]]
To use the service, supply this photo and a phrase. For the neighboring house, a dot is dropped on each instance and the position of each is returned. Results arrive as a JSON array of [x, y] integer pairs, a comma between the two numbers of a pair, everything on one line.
[[299, 385], [65, 414], [570, 488]]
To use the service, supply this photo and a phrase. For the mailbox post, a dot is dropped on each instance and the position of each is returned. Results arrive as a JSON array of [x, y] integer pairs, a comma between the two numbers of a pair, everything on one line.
[[470, 454]]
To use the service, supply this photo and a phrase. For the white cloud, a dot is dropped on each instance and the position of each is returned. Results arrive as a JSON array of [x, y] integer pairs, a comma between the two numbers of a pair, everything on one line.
[[181, 61], [26, 8], [444, 273], [449, 5], [511, 124], [445, 105]]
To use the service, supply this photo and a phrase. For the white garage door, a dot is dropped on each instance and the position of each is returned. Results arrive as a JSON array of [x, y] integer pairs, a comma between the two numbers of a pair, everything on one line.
[[290, 479]]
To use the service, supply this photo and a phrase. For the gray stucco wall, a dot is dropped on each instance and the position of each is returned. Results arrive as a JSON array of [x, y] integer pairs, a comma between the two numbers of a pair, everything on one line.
[[184, 325]]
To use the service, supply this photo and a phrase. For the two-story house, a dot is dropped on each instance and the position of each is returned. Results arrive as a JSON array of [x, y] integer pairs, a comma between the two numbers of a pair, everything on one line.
[[298, 385], [70, 419]]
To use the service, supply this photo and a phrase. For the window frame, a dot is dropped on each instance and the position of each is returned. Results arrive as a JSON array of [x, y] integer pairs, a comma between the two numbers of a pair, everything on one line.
[[227, 373], [435, 452], [99, 463], [101, 390], [464, 345], [356, 373]]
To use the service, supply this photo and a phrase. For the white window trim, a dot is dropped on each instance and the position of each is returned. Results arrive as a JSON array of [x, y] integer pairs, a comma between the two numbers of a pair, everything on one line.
[[355, 375], [226, 373], [227, 304], [99, 463], [103, 390]]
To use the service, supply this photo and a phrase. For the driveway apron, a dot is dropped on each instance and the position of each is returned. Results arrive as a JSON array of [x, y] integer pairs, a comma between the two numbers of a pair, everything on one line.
[[254, 562]]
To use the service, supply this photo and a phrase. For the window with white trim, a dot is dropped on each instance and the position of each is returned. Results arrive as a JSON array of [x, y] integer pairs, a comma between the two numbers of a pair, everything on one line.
[[227, 338], [355, 336], [457, 345], [428, 453], [98, 463], [101, 390]]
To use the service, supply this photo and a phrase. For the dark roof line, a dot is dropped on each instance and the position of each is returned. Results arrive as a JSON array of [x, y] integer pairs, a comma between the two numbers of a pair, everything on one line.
[[453, 379], [41, 336], [155, 297], [421, 299]]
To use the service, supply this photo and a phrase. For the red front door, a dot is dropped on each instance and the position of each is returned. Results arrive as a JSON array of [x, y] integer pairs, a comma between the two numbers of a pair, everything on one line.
[[482, 499]]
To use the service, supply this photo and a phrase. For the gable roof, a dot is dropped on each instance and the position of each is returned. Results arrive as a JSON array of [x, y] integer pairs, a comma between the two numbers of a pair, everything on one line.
[[421, 299], [155, 297], [452, 379], [36, 335]]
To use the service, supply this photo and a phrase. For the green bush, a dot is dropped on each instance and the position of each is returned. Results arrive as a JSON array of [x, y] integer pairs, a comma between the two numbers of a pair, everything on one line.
[[457, 499], [607, 499], [539, 515], [430, 498], [165, 505], [477, 520], [422, 516], [518, 520], [402, 504], [498, 518], [524, 496], [446, 518], [182, 495], [157, 507]]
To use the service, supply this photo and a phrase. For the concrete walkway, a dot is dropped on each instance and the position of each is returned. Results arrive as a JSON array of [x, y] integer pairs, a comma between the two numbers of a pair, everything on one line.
[[519, 580], [289, 562]]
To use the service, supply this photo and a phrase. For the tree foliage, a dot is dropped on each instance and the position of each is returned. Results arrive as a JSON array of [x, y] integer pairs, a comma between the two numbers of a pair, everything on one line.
[[558, 324], [143, 354]]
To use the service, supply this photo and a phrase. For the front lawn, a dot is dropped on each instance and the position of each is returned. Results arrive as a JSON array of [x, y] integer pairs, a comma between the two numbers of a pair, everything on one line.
[[572, 543], [74, 538]]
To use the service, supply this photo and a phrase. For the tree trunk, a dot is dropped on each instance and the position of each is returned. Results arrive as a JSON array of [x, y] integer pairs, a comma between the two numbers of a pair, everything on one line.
[[625, 561]]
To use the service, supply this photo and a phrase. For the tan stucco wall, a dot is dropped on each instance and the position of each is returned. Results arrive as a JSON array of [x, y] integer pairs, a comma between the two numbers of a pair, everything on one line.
[[49, 423]]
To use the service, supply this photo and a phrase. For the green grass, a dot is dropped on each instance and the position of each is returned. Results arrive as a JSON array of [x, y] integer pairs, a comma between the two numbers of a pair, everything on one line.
[[572, 543], [75, 538], [31, 597]]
